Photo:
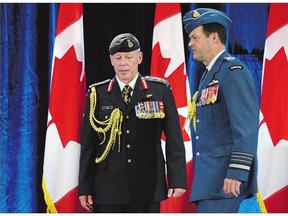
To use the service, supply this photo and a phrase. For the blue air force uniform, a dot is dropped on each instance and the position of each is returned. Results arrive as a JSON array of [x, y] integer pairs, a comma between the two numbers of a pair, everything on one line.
[[226, 130], [226, 125]]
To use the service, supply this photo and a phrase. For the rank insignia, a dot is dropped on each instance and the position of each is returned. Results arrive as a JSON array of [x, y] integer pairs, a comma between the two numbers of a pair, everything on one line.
[[150, 110], [209, 95]]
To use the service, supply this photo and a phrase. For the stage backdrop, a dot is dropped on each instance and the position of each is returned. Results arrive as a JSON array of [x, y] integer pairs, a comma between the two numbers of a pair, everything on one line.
[[27, 32]]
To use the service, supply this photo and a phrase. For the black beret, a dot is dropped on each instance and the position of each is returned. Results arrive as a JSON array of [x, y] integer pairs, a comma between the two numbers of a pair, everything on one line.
[[125, 42], [202, 16]]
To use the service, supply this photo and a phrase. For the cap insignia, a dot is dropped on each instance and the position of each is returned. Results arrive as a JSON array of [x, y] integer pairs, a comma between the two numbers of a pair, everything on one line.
[[129, 43], [195, 14]]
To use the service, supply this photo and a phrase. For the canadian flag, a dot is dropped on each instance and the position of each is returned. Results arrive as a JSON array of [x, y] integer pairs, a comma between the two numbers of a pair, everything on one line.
[[66, 106], [273, 132], [168, 61]]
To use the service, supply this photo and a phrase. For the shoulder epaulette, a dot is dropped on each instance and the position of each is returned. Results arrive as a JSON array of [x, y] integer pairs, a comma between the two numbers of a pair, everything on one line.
[[236, 63], [157, 79], [229, 58], [99, 83]]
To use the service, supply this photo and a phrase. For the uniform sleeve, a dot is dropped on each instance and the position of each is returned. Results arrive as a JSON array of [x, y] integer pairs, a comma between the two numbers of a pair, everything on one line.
[[175, 150], [243, 108], [87, 154]]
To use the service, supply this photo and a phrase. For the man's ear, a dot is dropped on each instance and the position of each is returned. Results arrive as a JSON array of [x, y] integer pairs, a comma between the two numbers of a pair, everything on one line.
[[111, 59], [140, 58]]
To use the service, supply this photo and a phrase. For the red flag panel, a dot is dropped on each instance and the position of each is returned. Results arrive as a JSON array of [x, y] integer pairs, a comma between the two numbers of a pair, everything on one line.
[[168, 61], [273, 139], [66, 107]]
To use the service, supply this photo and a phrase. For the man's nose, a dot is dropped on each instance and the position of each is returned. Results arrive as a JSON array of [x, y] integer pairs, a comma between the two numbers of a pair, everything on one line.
[[190, 44], [123, 61]]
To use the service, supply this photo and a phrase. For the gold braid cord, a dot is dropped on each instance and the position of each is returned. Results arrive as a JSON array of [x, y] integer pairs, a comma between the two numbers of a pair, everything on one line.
[[113, 124], [192, 110]]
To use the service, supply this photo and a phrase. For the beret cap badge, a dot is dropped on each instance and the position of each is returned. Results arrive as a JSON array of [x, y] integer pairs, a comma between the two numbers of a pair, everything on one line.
[[129, 43], [125, 42]]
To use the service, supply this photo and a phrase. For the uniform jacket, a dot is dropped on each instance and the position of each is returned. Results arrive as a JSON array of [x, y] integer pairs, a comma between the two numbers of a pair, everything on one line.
[[226, 130], [136, 174]]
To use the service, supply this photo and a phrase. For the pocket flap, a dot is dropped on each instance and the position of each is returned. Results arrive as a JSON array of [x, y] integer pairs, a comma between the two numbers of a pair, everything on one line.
[[223, 150]]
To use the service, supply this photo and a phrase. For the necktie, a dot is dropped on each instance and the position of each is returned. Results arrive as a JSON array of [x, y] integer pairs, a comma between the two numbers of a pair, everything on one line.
[[205, 72], [203, 76], [126, 93]]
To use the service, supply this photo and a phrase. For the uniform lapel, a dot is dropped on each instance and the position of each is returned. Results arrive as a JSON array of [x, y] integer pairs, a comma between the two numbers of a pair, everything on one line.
[[116, 97]]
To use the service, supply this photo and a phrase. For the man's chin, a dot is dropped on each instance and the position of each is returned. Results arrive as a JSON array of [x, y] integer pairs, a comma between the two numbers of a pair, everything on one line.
[[124, 79], [195, 58]]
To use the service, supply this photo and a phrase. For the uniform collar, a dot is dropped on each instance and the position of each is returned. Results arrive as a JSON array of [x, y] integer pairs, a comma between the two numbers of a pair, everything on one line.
[[214, 60], [131, 84]]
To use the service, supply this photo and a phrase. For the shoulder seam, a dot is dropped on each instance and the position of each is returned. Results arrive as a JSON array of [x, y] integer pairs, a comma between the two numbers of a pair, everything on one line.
[[157, 79], [99, 83]]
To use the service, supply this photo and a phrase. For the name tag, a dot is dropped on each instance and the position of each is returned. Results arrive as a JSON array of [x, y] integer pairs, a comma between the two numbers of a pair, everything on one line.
[[107, 107], [150, 110]]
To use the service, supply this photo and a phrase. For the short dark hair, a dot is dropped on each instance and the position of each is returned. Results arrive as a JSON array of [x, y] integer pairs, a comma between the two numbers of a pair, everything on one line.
[[209, 28]]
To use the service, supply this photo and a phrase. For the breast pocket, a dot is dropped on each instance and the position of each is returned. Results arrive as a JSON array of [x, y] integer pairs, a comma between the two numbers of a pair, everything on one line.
[[210, 114]]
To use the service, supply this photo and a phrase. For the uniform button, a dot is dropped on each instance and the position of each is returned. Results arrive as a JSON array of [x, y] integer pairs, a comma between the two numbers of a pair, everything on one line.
[[127, 131], [128, 146], [106, 117], [197, 120], [127, 117], [197, 137], [129, 160], [197, 153]]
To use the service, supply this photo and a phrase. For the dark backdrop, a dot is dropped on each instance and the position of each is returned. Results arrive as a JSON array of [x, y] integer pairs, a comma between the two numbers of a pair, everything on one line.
[[102, 22]]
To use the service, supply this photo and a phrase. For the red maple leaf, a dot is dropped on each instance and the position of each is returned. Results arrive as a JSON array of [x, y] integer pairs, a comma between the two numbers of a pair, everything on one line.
[[177, 79], [158, 63], [178, 82], [274, 103], [67, 97]]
